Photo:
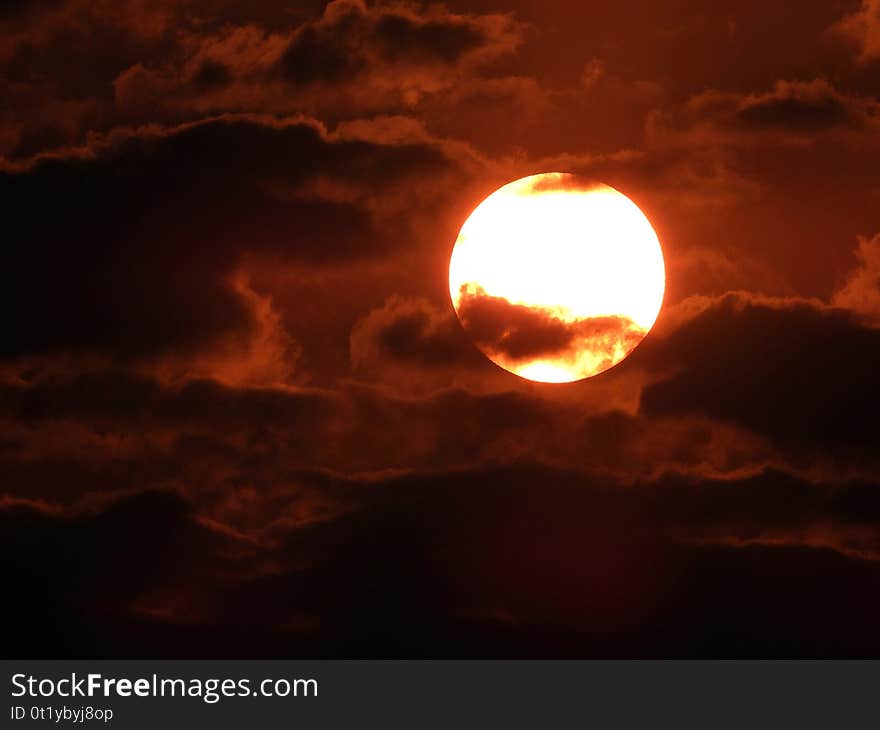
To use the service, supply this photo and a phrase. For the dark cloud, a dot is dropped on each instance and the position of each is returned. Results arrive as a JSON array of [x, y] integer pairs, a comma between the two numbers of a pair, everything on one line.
[[795, 111], [171, 62], [161, 220], [352, 38], [105, 398], [35, 47], [64, 433], [410, 332], [793, 370], [68, 435], [83, 571], [790, 112], [16, 8], [405, 38], [565, 181], [310, 58], [521, 562], [519, 332], [212, 75]]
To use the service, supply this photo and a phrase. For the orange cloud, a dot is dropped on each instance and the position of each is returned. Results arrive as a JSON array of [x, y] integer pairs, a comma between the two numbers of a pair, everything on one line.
[[861, 292], [862, 29]]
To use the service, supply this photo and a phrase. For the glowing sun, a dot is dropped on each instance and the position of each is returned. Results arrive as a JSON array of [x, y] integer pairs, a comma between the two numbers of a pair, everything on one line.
[[555, 279]]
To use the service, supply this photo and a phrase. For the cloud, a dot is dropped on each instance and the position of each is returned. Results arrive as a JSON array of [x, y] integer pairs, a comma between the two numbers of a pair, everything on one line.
[[518, 333], [792, 112], [66, 435], [63, 435], [861, 292], [798, 107], [727, 171], [409, 332], [103, 399], [797, 371], [55, 102], [100, 564], [862, 29], [570, 566], [726, 384], [355, 59], [174, 62], [352, 38], [162, 219]]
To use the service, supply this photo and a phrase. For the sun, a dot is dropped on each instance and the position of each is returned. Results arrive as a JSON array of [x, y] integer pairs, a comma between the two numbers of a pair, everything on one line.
[[555, 279]]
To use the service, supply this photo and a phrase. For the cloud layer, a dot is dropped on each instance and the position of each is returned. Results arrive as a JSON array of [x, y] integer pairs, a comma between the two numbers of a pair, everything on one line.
[[235, 397]]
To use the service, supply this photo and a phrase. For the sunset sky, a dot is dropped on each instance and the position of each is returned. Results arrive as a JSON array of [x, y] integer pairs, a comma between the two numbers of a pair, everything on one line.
[[239, 416]]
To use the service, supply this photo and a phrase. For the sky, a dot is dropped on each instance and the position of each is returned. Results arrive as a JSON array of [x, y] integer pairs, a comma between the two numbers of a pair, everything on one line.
[[239, 416]]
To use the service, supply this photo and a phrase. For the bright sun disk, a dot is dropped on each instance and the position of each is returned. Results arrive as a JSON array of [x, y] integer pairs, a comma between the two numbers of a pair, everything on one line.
[[556, 280]]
